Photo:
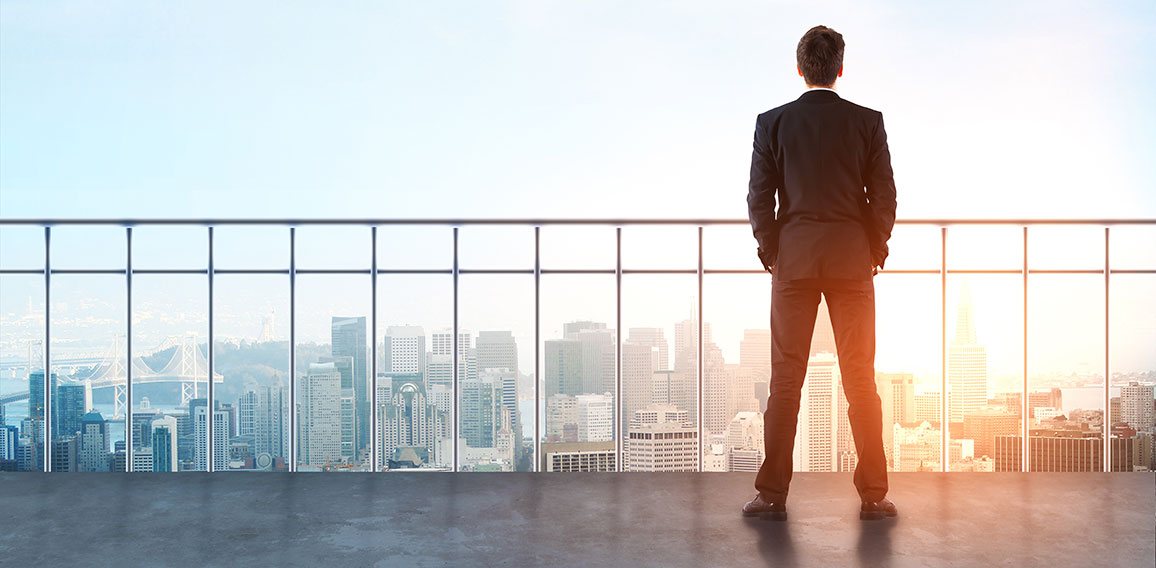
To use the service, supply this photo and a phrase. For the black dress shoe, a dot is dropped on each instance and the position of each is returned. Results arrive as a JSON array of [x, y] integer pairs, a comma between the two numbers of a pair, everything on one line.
[[875, 510], [765, 510]]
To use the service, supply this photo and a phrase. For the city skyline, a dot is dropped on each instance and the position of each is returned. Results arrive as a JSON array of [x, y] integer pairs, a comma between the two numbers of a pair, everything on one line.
[[833, 446]]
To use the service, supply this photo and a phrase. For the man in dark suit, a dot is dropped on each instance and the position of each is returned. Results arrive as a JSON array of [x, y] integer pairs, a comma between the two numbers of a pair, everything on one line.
[[826, 163]]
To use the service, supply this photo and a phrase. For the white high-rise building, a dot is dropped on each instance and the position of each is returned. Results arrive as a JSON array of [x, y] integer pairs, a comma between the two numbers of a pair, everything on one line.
[[246, 413], [595, 417], [319, 415], [818, 424], [220, 438], [270, 421], [439, 366], [661, 438], [640, 362], [1136, 406], [404, 350], [716, 391], [966, 363]]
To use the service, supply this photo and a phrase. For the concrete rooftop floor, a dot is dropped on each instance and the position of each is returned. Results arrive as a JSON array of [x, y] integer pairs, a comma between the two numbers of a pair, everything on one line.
[[526, 519]]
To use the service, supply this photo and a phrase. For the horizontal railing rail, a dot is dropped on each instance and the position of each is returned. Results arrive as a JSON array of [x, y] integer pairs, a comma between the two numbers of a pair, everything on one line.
[[536, 272]]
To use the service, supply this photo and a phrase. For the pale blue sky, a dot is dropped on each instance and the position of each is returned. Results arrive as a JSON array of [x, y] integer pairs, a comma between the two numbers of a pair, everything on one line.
[[578, 109], [602, 109]]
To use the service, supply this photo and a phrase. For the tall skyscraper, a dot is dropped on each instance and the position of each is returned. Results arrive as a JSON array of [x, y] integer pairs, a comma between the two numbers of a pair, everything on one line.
[[642, 357], [966, 362], [897, 395], [754, 376], [246, 413], [94, 443], [717, 396], [70, 402], [497, 350], [220, 438], [818, 423], [344, 365], [684, 380], [9, 442], [319, 419], [481, 397], [164, 444], [349, 340]]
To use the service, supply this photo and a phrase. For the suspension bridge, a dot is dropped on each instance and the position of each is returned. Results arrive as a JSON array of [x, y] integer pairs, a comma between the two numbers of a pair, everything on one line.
[[187, 366]]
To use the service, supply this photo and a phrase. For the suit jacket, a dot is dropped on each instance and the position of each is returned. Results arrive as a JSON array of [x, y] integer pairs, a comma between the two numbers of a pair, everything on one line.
[[825, 161]]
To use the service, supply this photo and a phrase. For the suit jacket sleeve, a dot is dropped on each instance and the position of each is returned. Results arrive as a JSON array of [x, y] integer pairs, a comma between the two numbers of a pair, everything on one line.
[[880, 182], [761, 201]]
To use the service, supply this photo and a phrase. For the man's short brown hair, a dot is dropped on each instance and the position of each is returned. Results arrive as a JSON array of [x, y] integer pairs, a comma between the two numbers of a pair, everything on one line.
[[820, 55]]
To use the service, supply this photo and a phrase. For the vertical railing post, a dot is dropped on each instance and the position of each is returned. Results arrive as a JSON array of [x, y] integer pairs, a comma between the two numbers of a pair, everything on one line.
[[943, 411], [210, 402], [293, 418], [375, 444], [1107, 452], [128, 451], [701, 397], [456, 363], [1024, 407], [46, 396], [537, 455], [618, 418]]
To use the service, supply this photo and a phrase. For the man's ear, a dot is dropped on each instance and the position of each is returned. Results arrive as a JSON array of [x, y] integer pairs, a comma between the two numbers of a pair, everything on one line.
[[840, 71], [801, 71]]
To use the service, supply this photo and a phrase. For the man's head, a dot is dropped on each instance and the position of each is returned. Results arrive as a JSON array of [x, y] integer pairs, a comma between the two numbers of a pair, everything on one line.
[[820, 56]]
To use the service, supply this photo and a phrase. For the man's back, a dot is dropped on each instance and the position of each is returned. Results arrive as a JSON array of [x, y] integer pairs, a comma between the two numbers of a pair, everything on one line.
[[824, 162], [817, 155]]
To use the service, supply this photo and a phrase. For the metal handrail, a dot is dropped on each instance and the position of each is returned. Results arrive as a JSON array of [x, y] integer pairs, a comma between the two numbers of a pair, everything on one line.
[[537, 271]]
